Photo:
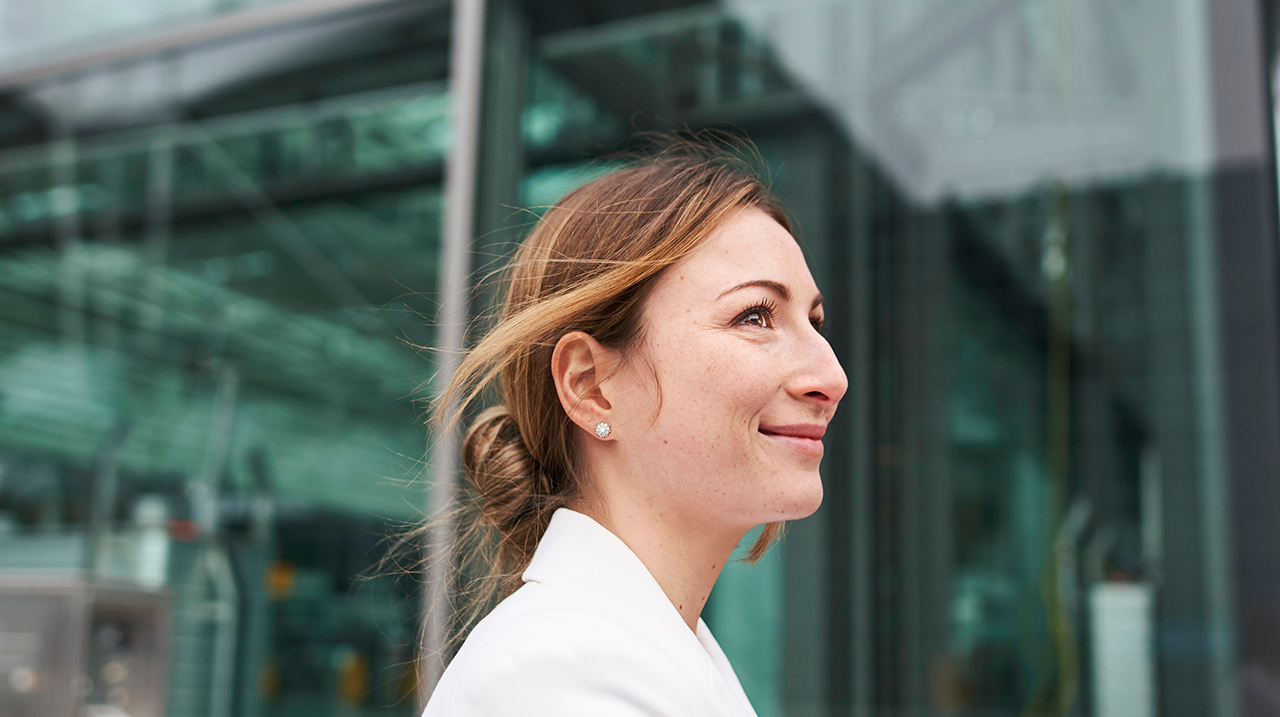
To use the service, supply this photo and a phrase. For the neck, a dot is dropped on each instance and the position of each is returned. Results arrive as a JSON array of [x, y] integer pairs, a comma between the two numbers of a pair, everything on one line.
[[684, 557]]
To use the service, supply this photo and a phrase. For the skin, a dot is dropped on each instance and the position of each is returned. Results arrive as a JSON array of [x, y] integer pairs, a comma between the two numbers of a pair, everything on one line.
[[747, 385]]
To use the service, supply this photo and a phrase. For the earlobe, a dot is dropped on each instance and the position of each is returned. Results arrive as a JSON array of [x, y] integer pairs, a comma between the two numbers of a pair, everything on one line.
[[579, 365]]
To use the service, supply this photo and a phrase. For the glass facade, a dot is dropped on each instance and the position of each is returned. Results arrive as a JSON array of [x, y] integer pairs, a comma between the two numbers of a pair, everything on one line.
[[1046, 232]]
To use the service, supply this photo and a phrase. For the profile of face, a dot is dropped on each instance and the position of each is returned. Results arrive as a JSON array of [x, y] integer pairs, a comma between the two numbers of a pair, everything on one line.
[[718, 413]]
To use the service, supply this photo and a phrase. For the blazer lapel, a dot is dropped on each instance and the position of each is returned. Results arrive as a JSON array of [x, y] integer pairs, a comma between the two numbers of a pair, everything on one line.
[[580, 556]]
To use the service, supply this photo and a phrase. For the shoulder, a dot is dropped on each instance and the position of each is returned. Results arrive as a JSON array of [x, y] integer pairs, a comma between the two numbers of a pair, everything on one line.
[[544, 651]]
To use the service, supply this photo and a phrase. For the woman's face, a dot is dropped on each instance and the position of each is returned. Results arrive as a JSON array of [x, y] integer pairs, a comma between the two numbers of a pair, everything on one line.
[[747, 383]]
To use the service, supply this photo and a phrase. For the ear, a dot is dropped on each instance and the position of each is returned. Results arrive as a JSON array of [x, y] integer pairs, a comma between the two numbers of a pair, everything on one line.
[[579, 364]]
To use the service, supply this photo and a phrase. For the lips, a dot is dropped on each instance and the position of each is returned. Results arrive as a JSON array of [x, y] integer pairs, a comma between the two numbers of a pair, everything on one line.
[[814, 431], [802, 437]]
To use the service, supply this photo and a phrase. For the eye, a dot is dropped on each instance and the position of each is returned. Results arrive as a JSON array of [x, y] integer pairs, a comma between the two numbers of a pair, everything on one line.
[[818, 322], [759, 315]]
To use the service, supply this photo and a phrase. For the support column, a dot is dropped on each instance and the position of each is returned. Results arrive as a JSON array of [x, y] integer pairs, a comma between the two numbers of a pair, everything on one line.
[[1242, 508], [490, 56], [466, 66]]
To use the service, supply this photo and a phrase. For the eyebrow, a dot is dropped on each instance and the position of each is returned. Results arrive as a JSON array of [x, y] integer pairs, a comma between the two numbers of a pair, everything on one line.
[[778, 288]]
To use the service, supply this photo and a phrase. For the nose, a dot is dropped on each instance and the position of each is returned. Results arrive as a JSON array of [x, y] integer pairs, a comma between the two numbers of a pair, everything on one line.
[[819, 379]]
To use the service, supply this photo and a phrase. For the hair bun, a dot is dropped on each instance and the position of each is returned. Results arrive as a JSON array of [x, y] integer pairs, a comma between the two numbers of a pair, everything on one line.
[[503, 475]]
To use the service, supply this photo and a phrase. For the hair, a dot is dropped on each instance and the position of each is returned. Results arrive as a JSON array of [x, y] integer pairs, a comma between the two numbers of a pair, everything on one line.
[[588, 265]]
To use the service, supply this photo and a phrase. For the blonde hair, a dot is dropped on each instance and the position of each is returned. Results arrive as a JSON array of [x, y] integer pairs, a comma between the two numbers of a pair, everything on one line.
[[588, 266]]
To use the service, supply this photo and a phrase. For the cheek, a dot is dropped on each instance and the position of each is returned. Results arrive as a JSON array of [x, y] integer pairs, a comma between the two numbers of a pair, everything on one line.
[[712, 395]]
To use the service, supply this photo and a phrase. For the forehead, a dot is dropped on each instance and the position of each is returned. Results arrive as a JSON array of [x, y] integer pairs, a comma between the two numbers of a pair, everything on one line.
[[748, 246]]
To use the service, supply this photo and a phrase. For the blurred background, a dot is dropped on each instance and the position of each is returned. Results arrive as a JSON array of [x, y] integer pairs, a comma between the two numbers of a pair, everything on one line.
[[1046, 230]]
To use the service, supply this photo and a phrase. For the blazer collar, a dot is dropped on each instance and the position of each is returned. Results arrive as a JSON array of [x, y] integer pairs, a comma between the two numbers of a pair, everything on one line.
[[582, 557]]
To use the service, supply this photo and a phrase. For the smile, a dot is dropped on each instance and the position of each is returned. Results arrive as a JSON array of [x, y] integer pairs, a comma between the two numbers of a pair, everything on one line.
[[802, 437]]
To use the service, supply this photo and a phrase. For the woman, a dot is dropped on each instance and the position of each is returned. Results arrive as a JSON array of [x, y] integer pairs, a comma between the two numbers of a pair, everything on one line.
[[664, 388]]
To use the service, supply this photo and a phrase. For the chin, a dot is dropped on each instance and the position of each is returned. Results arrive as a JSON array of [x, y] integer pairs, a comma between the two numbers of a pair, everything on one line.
[[803, 500]]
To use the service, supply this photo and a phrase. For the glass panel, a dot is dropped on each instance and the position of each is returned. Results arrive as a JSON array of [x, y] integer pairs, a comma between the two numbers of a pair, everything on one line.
[[1002, 202], [213, 261], [208, 383], [32, 32]]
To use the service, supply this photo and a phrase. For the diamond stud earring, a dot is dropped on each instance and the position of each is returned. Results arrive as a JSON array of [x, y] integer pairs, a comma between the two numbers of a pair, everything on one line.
[[602, 429]]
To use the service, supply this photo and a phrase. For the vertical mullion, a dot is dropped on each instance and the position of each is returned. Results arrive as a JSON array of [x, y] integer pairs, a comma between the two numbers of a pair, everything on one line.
[[465, 73]]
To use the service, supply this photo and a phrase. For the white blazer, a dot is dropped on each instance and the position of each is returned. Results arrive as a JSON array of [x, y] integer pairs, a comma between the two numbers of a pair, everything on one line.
[[589, 633]]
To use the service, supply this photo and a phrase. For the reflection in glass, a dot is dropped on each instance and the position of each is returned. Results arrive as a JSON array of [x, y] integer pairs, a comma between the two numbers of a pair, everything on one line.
[[992, 197], [213, 259], [207, 388]]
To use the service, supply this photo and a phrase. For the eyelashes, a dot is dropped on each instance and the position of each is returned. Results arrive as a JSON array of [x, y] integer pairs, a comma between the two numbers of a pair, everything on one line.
[[762, 314]]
